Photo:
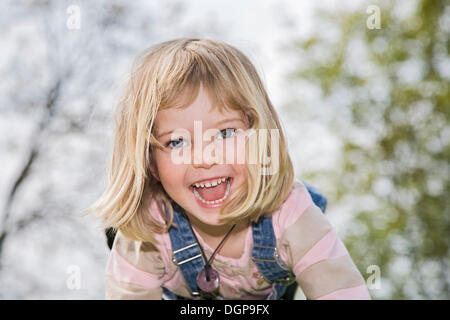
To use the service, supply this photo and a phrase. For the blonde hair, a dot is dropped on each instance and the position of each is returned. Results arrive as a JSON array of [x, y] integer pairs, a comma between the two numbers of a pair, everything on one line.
[[166, 75]]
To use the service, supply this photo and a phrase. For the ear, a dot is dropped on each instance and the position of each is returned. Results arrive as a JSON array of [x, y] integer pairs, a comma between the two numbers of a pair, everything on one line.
[[154, 172], [152, 167]]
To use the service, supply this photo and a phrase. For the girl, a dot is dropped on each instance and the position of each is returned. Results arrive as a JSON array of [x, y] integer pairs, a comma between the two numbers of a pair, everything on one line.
[[216, 220]]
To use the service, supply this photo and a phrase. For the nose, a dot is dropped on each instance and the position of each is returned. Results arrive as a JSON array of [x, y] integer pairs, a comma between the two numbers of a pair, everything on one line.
[[205, 155]]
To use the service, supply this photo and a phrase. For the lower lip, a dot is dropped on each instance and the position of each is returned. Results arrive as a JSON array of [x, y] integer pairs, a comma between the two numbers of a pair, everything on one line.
[[212, 205]]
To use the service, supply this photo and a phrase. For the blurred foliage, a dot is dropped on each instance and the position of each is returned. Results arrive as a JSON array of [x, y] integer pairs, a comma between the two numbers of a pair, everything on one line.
[[387, 96]]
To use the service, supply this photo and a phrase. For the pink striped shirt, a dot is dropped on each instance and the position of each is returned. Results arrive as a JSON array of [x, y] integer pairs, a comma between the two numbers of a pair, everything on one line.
[[306, 242]]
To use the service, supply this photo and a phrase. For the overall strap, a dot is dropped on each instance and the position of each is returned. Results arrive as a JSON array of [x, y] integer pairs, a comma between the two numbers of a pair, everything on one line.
[[185, 251], [266, 258], [265, 254], [318, 199]]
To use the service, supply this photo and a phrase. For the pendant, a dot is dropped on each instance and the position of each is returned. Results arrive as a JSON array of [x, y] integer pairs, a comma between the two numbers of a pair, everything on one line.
[[205, 285]]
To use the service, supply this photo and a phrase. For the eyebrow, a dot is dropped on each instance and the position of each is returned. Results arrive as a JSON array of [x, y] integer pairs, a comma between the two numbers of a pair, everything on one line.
[[216, 125]]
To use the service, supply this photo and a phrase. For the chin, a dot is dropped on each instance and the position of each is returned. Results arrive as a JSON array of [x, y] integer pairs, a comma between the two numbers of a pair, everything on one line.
[[208, 216]]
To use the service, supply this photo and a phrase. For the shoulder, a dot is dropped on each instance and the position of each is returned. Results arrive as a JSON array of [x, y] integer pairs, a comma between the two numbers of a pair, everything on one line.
[[134, 270], [297, 202], [141, 255]]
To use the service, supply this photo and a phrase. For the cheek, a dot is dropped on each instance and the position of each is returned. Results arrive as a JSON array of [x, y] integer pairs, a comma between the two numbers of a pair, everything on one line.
[[236, 154], [235, 151], [169, 172], [241, 171]]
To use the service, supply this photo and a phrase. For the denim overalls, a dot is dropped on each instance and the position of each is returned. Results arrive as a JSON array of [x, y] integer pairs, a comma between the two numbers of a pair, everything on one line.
[[188, 257]]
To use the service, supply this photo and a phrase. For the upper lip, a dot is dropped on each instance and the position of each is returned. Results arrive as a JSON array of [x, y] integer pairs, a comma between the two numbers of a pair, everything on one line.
[[209, 179]]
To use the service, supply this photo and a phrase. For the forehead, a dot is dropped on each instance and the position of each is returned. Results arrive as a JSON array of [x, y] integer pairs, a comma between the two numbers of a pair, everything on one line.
[[201, 109]]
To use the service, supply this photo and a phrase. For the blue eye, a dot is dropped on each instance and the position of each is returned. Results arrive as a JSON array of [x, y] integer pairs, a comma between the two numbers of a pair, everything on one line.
[[227, 133], [176, 143]]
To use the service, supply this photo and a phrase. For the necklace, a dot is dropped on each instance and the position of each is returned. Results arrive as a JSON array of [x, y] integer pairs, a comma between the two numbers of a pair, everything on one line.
[[208, 279]]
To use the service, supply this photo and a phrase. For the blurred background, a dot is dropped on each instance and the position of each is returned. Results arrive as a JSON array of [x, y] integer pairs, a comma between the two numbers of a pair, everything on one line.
[[362, 89]]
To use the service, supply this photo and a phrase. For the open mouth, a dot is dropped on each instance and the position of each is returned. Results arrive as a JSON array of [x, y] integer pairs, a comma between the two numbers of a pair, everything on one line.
[[212, 192]]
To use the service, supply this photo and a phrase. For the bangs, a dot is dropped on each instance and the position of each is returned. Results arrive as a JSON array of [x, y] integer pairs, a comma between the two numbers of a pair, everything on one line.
[[192, 69]]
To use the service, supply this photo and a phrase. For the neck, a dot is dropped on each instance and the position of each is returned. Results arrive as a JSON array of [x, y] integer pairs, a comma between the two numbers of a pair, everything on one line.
[[207, 231]]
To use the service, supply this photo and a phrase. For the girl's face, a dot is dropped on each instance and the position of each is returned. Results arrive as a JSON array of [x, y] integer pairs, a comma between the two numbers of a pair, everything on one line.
[[202, 147]]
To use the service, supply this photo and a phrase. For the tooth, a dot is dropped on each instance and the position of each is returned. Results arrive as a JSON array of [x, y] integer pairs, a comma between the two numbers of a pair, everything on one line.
[[207, 185], [214, 183], [223, 179], [197, 195], [202, 185]]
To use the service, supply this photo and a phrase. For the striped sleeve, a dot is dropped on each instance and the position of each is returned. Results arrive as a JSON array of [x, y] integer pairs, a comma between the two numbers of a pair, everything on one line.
[[134, 270], [320, 261]]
